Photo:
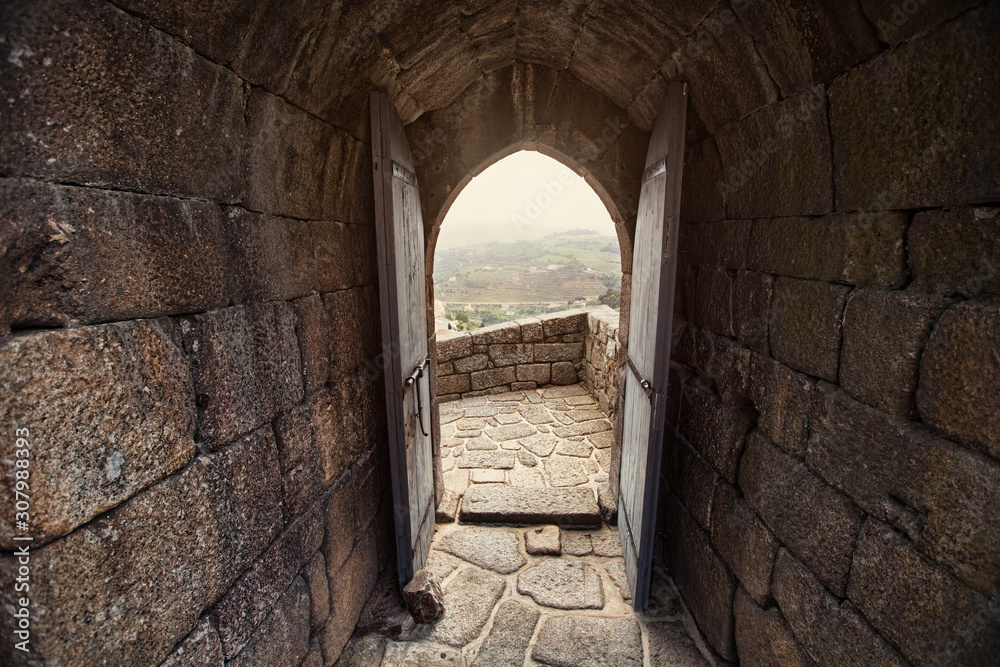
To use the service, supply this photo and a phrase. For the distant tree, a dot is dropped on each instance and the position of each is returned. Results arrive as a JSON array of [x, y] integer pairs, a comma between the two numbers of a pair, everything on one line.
[[462, 317], [611, 298]]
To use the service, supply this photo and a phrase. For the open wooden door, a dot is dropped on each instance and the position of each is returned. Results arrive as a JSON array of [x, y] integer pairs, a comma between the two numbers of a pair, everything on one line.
[[654, 267], [400, 233]]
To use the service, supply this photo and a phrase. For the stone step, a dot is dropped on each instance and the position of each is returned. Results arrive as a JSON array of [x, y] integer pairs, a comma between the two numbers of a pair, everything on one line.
[[522, 506]]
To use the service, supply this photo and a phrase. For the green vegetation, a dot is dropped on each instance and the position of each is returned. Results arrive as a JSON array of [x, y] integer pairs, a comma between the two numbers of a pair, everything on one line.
[[529, 277]]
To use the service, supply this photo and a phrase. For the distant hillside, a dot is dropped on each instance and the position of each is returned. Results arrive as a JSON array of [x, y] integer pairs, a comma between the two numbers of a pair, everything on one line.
[[556, 269]]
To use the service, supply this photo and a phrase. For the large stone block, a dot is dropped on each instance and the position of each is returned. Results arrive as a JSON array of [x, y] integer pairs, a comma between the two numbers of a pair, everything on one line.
[[454, 384], [804, 44], [732, 79], [283, 635], [956, 250], [751, 307], [296, 163], [830, 632], [914, 155], [539, 373], [453, 345], [302, 468], [565, 322], [105, 412], [339, 503], [275, 39], [319, 591], [763, 637], [701, 199], [249, 601], [558, 351], [214, 28], [705, 582], [816, 522], [313, 330], [493, 377], [222, 510], [355, 347], [78, 255], [933, 619], [690, 477], [554, 47], [713, 301], [884, 336], [716, 430], [960, 377], [744, 542], [777, 162], [113, 102], [505, 332], [492, 29], [271, 258], [942, 496], [806, 323], [476, 362], [783, 399], [246, 368], [350, 586], [897, 22], [859, 249], [510, 354], [201, 648]]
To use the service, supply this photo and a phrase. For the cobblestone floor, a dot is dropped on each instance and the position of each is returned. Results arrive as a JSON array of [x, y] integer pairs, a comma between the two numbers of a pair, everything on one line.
[[554, 437], [528, 595]]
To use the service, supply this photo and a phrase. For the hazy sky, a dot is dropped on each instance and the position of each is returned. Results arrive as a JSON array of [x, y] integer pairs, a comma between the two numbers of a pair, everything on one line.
[[525, 196]]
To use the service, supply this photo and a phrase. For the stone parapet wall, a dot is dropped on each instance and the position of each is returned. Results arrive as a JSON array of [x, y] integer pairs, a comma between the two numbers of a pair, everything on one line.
[[600, 358], [525, 354]]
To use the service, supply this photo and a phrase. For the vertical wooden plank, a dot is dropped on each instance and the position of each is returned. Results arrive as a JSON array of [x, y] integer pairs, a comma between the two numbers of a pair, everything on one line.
[[653, 278], [399, 232]]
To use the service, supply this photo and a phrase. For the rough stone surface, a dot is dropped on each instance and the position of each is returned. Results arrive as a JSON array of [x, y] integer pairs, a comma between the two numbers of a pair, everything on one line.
[[575, 448], [511, 432], [670, 644], [619, 577], [201, 648], [884, 335], [751, 305], [718, 431], [828, 631], [362, 651], [576, 507], [527, 458], [166, 578], [563, 373], [783, 399], [778, 161], [577, 543], [541, 444], [501, 460], [589, 642], [468, 600], [107, 411], [508, 639], [806, 321], [743, 541], [544, 541], [282, 638], [763, 637], [897, 471], [423, 597], [491, 549], [900, 161], [960, 377], [932, 618], [956, 250], [705, 582], [817, 523], [447, 508], [860, 249], [564, 471], [607, 545], [407, 654]]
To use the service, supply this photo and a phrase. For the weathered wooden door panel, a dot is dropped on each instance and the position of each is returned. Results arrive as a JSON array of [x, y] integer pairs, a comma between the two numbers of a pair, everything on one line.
[[400, 234], [654, 265]]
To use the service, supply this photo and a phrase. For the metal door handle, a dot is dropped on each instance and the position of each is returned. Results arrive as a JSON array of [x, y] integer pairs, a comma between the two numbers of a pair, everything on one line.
[[418, 372]]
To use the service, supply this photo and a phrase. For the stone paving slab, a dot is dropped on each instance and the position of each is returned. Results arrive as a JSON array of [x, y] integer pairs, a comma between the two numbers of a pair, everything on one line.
[[501, 459], [562, 584], [413, 654], [508, 640], [469, 598], [589, 641], [492, 549], [566, 507], [670, 644]]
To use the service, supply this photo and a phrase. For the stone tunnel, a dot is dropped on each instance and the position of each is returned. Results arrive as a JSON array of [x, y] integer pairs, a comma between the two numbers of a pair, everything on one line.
[[189, 309]]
